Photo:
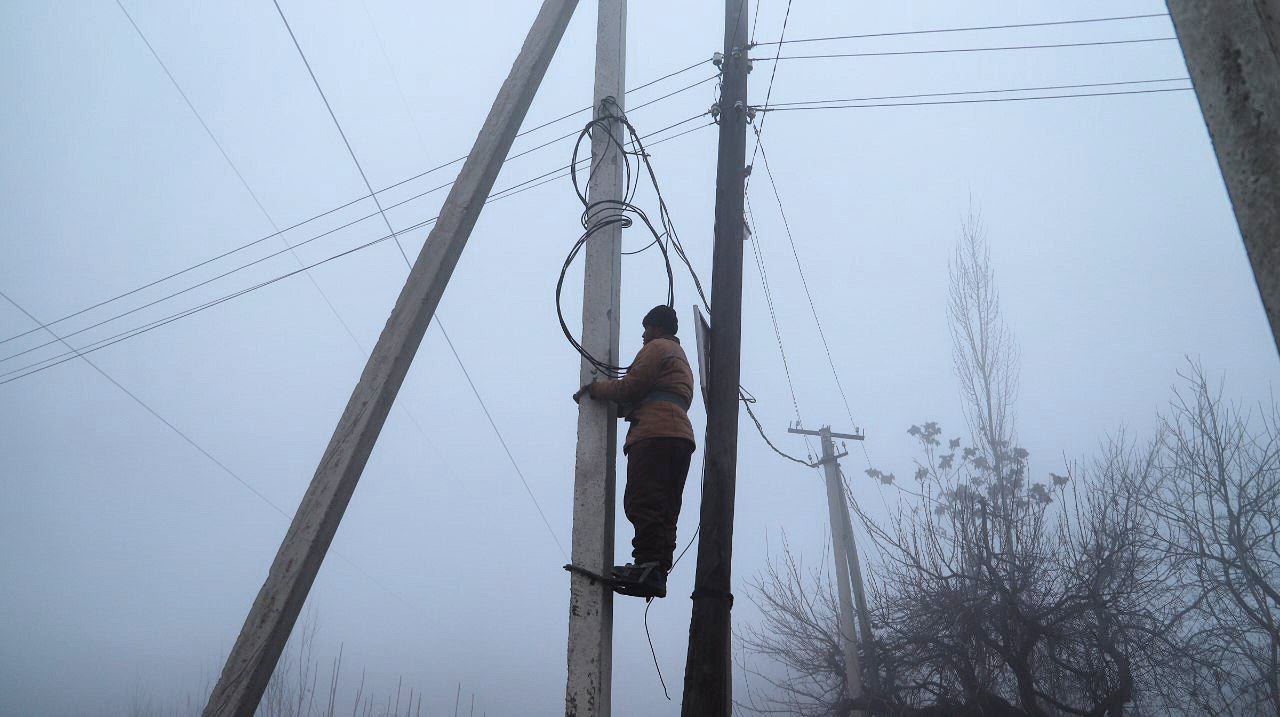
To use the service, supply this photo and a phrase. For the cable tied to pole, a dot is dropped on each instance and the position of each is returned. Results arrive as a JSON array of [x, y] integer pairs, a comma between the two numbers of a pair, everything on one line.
[[602, 213], [599, 214]]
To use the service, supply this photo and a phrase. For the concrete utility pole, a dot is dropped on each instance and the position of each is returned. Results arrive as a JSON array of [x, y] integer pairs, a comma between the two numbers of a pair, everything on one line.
[[872, 668], [590, 654], [1232, 48], [708, 677], [848, 572], [255, 653]]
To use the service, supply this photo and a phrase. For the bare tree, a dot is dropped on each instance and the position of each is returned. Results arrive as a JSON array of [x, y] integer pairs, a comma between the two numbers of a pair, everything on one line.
[[1001, 593], [800, 635], [996, 594], [983, 350], [1219, 505], [292, 690]]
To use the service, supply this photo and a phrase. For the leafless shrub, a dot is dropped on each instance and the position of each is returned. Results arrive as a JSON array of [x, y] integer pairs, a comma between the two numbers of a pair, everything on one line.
[[800, 635], [294, 689], [997, 594]]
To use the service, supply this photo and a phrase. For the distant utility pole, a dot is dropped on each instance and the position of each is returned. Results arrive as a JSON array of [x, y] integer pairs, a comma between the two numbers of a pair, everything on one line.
[[262, 638], [590, 653], [1232, 48], [708, 677], [848, 569], [871, 670]]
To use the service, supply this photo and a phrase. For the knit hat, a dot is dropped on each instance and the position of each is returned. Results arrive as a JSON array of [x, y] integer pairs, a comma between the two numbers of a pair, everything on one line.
[[663, 317]]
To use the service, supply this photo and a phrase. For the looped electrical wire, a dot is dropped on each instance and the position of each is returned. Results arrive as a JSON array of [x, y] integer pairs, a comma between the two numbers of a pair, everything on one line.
[[604, 213], [600, 214]]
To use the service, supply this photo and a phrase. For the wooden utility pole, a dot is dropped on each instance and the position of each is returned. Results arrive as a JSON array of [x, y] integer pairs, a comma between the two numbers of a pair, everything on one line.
[[257, 649], [708, 677], [1232, 49], [848, 571], [590, 654]]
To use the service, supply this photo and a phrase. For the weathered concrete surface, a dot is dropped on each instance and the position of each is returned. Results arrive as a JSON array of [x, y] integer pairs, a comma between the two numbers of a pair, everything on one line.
[[590, 655], [1231, 52]]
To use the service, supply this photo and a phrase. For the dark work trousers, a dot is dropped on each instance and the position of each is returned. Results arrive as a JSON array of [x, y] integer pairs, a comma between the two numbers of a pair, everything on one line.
[[656, 470]]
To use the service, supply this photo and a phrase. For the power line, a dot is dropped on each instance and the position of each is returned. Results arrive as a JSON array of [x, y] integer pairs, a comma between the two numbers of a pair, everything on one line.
[[1039, 88], [199, 284], [333, 309], [341, 132], [369, 186], [440, 323], [497, 432], [764, 154], [773, 73], [502, 194], [123, 336], [759, 254], [239, 175], [137, 331], [755, 245], [773, 317], [760, 429], [637, 88], [812, 309], [981, 101], [357, 200], [196, 113], [964, 29], [189, 440], [395, 76], [891, 53], [746, 399], [409, 265]]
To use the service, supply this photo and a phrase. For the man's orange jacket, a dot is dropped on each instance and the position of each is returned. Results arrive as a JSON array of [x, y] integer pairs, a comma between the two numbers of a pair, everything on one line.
[[662, 367]]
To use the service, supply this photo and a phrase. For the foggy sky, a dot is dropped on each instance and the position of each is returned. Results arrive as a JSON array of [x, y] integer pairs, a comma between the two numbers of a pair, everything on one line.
[[130, 560]]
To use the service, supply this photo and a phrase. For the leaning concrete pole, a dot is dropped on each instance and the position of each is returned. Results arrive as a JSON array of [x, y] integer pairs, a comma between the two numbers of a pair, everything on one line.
[[590, 655], [253, 657], [848, 636], [866, 638], [1232, 49], [848, 572]]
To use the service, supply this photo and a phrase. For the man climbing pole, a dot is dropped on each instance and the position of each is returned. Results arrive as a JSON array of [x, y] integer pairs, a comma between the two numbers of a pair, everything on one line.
[[654, 397]]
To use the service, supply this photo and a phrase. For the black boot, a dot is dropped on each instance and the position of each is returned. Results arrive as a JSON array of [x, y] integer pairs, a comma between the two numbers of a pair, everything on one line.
[[646, 580]]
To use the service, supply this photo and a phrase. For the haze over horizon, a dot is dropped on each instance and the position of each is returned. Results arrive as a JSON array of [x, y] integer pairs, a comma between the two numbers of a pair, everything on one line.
[[131, 558]]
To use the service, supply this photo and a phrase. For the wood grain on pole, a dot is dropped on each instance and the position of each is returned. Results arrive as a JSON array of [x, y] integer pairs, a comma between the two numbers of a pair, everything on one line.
[[708, 678], [1232, 49], [590, 652], [276, 608]]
